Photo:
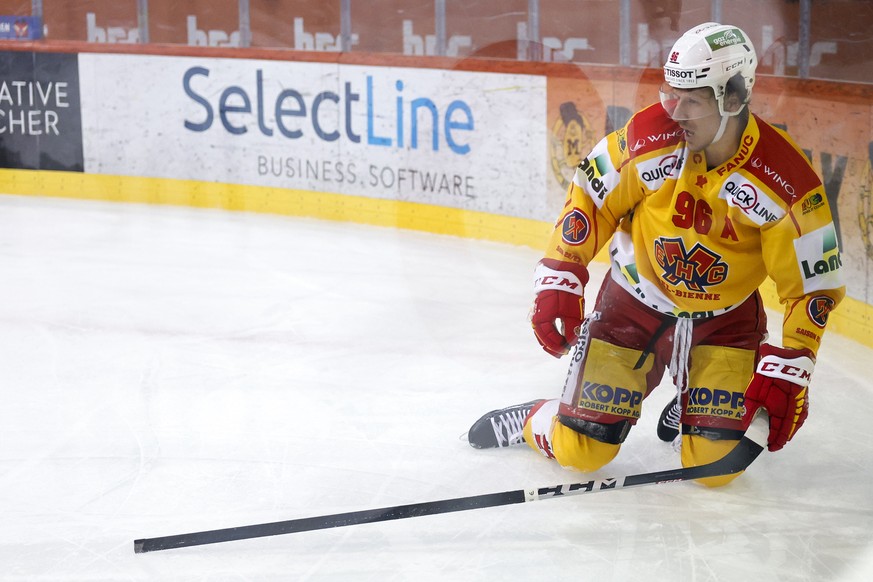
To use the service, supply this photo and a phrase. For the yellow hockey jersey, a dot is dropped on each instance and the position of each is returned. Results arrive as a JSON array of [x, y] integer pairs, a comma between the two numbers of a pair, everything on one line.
[[696, 242]]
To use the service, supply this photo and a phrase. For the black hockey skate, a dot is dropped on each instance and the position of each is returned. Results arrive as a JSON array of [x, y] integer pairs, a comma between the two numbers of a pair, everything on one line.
[[668, 423], [500, 428]]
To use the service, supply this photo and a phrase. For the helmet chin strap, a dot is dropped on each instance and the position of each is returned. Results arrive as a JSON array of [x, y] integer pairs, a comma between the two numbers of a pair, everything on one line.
[[721, 127]]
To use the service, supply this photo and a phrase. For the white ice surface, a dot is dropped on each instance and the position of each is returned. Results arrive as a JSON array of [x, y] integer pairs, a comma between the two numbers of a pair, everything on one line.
[[168, 370]]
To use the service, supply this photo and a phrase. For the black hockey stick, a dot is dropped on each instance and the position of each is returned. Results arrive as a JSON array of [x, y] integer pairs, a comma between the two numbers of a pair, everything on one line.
[[746, 451]]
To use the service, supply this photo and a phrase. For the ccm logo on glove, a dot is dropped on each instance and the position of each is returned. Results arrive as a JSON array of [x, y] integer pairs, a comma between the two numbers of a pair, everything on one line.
[[777, 368], [780, 385], [559, 288], [559, 282]]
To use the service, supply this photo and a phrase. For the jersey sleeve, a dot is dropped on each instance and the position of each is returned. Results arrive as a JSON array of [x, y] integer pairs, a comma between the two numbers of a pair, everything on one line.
[[598, 198], [802, 255]]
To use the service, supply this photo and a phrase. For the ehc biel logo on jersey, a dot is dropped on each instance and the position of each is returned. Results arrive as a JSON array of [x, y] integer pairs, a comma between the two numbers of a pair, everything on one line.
[[698, 268]]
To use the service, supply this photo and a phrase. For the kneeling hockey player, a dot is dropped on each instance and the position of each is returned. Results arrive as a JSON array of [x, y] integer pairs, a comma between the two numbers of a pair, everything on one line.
[[703, 201]]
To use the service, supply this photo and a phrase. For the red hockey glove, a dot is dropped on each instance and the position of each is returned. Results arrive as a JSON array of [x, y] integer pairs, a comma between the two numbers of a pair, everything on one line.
[[559, 288], [780, 385]]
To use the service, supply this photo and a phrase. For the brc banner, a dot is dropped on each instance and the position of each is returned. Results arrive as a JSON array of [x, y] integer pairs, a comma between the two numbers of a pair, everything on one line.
[[469, 140], [40, 123], [580, 31]]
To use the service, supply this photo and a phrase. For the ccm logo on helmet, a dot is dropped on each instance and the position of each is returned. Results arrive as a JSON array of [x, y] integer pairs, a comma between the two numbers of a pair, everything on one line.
[[731, 66]]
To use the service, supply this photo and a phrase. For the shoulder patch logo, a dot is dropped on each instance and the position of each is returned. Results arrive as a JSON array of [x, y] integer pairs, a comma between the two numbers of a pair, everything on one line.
[[818, 308], [575, 227]]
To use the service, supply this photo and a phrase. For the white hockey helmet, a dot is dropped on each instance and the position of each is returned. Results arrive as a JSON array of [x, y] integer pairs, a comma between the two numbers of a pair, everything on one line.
[[709, 55]]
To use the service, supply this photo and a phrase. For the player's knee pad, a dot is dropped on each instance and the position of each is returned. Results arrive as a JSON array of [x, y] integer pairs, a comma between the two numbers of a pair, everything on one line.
[[546, 434], [700, 450], [609, 384], [579, 451], [717, 380], [537, 430]]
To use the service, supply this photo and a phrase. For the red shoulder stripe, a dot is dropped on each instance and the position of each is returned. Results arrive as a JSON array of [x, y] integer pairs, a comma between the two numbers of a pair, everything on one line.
[[780, 165], [652, 129]]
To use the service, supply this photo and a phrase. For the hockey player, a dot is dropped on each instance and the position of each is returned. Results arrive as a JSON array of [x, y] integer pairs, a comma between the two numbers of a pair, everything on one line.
[[703, 200]]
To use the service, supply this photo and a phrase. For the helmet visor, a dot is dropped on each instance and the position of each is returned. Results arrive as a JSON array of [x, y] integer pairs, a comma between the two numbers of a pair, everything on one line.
[[686, 104]]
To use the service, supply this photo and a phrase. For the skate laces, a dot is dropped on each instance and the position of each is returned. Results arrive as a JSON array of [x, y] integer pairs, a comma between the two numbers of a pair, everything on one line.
[[681, 351], [682, 338], [674, 415], [672, 419], [508, 426]]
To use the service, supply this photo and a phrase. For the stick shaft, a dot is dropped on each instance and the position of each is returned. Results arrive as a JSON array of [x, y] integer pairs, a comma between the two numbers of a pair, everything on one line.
[[742, 455], [330, 521]]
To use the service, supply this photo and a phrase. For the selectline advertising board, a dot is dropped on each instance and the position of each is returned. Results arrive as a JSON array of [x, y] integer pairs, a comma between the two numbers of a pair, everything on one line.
[[448, 138]]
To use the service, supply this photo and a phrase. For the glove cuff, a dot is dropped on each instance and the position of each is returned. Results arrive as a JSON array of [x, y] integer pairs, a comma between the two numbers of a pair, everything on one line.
[[560, 275]]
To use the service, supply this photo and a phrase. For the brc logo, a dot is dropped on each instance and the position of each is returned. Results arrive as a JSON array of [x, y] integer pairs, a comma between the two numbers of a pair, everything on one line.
[[109, 34], [198, 37]]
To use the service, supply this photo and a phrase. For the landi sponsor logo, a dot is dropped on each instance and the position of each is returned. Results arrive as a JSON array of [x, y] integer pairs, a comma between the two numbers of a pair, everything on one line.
[[820, 262]]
